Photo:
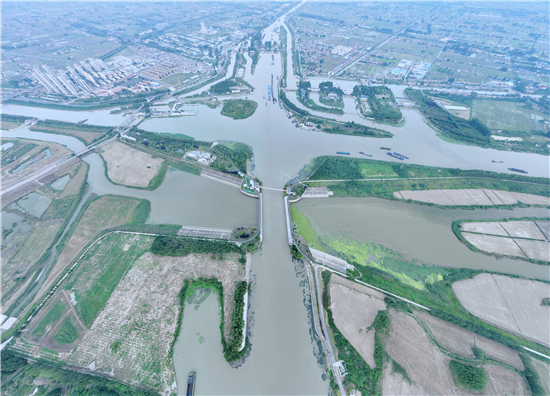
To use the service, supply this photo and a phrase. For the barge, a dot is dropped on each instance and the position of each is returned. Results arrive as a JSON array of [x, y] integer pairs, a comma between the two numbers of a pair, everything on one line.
[[343, 153], [518, 170], [396, 156], [401, 155], [191, 384], [498, 162], [368, 155], [82, 121], [385, 148]]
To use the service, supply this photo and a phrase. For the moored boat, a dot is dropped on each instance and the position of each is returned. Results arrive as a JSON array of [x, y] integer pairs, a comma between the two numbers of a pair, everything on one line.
[[368, 155], [191, 384]]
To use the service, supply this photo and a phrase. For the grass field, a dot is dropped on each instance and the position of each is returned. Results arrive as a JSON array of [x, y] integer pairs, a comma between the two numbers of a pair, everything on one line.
[[497, 114], [105, 212], [103, 267], [239, 109]]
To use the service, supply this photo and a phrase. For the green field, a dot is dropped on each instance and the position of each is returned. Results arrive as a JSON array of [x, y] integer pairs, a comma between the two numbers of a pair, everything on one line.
[[239, 109], [51, 317], [468, 377], [404, 176], [302, 226], [101, 269], [511, 116]]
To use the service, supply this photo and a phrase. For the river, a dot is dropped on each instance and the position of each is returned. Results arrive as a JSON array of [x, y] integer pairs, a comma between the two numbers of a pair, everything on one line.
[[283, 357]]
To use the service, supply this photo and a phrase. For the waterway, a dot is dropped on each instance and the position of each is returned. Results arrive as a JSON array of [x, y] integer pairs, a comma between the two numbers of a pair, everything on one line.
[[418, 231], [283, 356]]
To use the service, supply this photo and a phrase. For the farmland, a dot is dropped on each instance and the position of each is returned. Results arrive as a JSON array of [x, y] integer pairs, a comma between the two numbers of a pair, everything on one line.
[[511, 116], [511, 303], [354, 313], [130, 167], [516, 238], [94, 219]]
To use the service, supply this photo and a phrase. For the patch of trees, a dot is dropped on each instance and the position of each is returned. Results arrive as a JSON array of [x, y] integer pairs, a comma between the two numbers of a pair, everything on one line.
[[381, 109], [69, 382], [292, 106], [223, 87], [328, 86], [468, 377], [181, 246], [13, 118], [449, 124], [231, 350], [239, 154], [335, 168]]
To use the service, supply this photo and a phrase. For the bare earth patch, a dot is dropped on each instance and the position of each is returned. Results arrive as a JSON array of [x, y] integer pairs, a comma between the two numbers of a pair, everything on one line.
[[465, 197], [482, 227], [461, 341], [128, 166], [353, 313], [494, 244], [428, 367], [132, 336], [511, 303], [523, 229], [394, 384]]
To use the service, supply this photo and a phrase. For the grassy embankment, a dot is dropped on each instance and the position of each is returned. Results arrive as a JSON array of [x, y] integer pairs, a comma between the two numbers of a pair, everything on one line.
[[18, 376], [9, 121], [402, 176], [332, 126], [283, 37], [449, 126], [87, 134], [239, 109], [380, 100], [95, 103], [172, 148]]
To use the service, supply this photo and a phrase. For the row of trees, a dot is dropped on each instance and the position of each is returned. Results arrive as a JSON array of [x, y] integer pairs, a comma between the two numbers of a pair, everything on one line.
[[472, 131]]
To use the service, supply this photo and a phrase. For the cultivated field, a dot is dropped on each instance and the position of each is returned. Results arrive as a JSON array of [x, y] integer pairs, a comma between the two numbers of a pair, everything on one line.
[[105, 212], [503, 238], [467, 197], [353, 313], [511, 303], [428, 367], [131, 338], [494, 244], [128, 166], [394, 384], [543, 369], [461, 341], [508, 115]]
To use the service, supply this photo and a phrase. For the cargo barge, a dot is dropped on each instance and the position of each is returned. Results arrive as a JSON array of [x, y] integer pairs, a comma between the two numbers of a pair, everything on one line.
[[401, 155], [191, 384], [343, 153], [368, 155], [385, 148], [498, 162], [396, 156], [82, 121], [518, 170]]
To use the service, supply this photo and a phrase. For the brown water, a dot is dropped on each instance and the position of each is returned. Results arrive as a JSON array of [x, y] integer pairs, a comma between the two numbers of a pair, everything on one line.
[[422, 232]]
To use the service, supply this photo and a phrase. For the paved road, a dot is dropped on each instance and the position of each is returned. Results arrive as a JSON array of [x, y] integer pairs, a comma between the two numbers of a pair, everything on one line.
[[331, 359]]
